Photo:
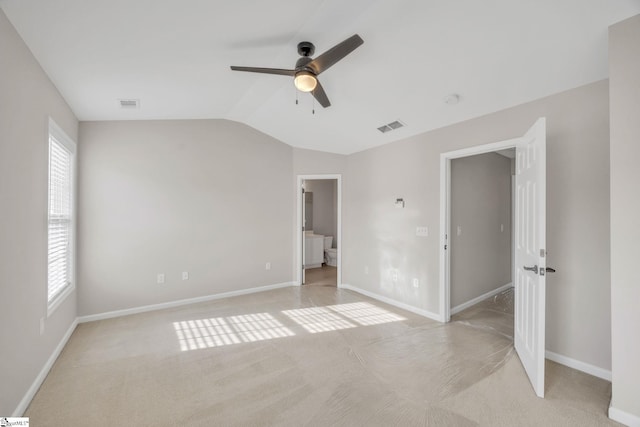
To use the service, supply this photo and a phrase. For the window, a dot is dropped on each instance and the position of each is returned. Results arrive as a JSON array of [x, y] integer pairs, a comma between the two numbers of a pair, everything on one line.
[[60, 216]]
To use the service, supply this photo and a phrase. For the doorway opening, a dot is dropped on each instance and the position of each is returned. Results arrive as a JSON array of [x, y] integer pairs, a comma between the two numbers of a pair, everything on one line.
[[319, 230], [453, 230], [528, 247], [481, 239]]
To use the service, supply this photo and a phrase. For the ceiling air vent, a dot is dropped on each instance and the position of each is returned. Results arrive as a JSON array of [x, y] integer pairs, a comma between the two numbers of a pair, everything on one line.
[[391, 126], [395, 125], [129, 104]]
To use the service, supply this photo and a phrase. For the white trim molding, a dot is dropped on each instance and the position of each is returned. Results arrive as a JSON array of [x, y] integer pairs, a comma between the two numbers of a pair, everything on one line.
[[393, 302], [476, 300], [178, 303], [26, 400], [578, 365], [624, 417]]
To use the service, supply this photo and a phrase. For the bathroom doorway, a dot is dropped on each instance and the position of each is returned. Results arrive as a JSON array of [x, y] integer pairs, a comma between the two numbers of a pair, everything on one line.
[[318, 257]]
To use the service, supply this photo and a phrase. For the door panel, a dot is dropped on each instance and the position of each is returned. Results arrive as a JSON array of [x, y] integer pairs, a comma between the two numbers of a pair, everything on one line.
[[530, 253]]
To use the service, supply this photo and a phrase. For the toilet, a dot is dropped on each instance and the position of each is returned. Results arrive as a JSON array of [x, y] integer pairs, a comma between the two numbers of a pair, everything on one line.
[[330, 254]]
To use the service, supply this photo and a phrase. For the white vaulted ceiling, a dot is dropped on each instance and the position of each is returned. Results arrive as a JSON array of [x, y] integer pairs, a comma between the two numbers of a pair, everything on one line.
[[175, 55]]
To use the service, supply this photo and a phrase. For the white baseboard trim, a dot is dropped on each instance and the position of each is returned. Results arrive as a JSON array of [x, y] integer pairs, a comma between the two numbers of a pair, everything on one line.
[[35, 386], [178, 303], [476, 300], [578, 365], [393, 302], [624, 417]]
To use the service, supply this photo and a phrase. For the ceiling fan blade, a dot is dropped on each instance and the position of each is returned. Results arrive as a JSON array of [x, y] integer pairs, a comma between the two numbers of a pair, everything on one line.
[[320, 95], [335, 54], [279, 71]]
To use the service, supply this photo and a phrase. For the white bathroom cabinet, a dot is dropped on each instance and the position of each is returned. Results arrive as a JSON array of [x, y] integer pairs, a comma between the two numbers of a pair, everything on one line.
[[313, 251]]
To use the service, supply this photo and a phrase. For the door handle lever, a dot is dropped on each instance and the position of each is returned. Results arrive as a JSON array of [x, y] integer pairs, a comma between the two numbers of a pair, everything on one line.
[[550, 270], [534, 269]]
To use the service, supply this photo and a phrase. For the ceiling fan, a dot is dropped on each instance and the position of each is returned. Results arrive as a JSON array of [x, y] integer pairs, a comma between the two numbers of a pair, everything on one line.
[[305, 75]]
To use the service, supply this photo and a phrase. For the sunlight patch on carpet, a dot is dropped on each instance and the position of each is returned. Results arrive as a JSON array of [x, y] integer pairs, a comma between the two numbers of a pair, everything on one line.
[[216, 332]]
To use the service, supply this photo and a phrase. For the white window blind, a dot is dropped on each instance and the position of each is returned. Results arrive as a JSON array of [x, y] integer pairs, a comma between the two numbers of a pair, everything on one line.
[[60, 249]]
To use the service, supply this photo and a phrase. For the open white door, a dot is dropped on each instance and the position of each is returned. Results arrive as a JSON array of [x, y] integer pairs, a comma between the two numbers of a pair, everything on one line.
[[530, 253]]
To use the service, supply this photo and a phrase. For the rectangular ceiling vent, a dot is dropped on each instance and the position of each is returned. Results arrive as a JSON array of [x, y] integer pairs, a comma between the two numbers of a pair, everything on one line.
[[129, 104], [395, 125], [391, 126]]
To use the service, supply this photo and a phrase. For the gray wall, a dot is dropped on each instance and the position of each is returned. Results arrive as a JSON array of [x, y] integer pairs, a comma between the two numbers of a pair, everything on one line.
[[27, 99], [382, 238], [624, 72], [211, 197], [324, 206], [310, 162], [480, 204]]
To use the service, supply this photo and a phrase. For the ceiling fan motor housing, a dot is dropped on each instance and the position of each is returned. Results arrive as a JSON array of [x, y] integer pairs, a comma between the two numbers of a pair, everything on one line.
[[301, 64]]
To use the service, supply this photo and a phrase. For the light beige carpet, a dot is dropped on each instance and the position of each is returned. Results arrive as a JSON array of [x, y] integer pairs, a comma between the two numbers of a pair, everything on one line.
[[316, 356]]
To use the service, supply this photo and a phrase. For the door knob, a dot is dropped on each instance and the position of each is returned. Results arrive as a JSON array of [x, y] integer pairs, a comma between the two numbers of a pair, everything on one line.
[[534, 269]]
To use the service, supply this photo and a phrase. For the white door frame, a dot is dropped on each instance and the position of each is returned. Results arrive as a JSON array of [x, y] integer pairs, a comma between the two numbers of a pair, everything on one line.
[[445, 214], [298, 231]]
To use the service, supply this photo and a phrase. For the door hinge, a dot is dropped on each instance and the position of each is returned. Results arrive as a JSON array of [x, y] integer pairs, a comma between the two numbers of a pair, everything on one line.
[[445, 247]]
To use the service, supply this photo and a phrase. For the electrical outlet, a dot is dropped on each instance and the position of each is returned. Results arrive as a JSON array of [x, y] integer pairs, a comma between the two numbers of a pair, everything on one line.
[[459, 230], [160, 278], [41, 325], [416, 283], [422, 231], [185, 275], [267, 266]]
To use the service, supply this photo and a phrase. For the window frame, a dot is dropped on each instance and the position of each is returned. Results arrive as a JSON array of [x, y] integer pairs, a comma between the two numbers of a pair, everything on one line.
[[56, 132]]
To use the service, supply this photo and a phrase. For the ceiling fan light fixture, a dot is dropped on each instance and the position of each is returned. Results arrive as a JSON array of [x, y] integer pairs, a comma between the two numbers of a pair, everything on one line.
[[305, 81]]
